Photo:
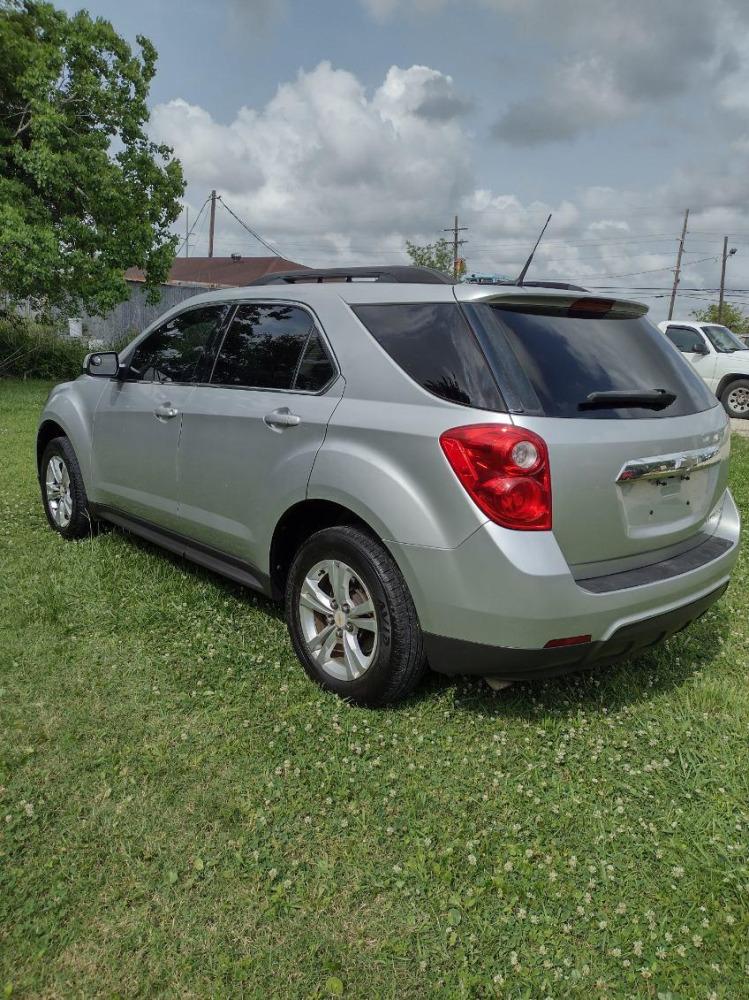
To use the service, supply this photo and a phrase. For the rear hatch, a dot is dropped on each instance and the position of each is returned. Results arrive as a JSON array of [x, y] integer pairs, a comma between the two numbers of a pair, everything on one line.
[[638, 445]]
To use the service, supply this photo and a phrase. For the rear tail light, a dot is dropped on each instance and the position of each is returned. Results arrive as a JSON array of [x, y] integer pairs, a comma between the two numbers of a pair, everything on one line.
[[505, 471]]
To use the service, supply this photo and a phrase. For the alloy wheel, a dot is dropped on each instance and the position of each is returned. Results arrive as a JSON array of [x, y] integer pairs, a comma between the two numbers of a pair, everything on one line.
[[58, 491], [338, 619]]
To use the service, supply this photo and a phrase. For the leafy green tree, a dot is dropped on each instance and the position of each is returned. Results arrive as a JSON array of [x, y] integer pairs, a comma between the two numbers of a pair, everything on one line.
[[438, 255], [732, 317], [84, 193]]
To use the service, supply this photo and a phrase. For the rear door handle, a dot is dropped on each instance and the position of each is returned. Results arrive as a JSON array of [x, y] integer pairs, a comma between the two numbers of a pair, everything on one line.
[[282, 417], [165, 411]]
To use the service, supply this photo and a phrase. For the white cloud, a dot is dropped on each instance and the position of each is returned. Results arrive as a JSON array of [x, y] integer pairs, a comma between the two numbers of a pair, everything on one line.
[[611, 59], [323, 156], [333, 174]]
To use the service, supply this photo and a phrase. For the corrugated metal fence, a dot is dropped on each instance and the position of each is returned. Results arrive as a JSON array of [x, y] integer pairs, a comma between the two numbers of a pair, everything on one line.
[[135, 314]]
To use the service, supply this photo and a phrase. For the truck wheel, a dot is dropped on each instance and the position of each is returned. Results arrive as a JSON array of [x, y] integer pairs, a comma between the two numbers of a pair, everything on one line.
[[735, 398]]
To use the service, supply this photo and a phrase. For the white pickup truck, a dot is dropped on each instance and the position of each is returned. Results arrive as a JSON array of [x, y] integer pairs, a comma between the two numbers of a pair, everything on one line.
[[718, 356]]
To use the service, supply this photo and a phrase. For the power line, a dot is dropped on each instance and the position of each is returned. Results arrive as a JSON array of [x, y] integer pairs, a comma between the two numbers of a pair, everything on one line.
[[257, 236], [197, 220]]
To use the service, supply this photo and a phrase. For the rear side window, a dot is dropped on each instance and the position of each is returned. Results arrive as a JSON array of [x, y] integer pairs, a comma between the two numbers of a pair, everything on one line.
[[433, 343], [315, 369], [688, 341], [175, 352], [548, 365], [267, 346]]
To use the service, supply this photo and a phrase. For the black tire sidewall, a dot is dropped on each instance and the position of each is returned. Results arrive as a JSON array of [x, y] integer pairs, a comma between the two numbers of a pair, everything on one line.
[[79, 524], [332, 544], [735, 384]]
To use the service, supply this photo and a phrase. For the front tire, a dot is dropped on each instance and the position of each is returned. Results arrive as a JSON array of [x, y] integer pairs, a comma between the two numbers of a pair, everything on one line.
[[63, 493], [351, 618], [735, 398]]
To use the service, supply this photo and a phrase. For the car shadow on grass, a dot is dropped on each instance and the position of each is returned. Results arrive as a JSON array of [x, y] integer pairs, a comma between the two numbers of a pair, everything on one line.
[[639, 679], [224, 586], [602, 689]]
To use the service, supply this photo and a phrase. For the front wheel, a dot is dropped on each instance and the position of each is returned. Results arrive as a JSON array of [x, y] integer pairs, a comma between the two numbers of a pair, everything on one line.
[[63, 492], [735, 398], [351, 618]]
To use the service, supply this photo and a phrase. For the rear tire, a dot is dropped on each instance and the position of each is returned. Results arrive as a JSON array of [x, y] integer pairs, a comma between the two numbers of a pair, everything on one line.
[[735, 398], [63, 493], [351, 618]]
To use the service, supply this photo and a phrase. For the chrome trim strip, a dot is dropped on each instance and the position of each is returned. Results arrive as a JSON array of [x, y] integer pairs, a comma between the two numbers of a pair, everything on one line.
[[662, 466]]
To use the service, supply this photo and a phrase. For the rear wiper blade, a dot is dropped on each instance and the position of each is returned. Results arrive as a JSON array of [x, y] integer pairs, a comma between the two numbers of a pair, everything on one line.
[[648, 399]]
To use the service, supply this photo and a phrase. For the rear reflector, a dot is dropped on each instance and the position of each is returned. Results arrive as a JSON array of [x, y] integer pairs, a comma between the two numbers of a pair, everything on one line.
[[570, 640], [505, 471]]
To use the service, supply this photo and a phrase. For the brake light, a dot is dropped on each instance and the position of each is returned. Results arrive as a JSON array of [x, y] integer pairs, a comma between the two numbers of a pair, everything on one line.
[[590, 308], [505, 471]]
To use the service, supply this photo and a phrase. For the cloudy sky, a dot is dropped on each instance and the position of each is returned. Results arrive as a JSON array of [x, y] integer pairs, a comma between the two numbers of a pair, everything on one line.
[[340, 128]]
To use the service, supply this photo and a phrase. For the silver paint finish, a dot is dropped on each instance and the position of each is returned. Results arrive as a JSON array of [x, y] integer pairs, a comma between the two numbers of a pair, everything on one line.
[[225, 468]]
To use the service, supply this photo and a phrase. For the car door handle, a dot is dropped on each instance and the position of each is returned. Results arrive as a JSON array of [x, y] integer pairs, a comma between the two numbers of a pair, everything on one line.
[[282, 417], [165, 411]]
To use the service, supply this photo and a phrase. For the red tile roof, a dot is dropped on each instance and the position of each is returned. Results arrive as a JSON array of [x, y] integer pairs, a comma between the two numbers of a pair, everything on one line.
[[219, 272]]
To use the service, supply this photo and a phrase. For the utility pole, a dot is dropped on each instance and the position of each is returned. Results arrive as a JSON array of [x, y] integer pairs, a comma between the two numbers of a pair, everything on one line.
[[722, 279], [455, 229], [187, 231], [678, 264], [212, 224]]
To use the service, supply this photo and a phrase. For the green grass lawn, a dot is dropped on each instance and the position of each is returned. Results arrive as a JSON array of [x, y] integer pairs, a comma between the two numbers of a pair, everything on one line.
[[183, 813]]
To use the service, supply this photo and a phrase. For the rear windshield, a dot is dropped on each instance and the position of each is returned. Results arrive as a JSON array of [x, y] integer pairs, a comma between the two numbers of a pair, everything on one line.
[[549, 365]]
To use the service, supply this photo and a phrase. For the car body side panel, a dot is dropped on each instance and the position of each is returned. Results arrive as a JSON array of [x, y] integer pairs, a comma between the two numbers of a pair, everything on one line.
[[385, 463], [135, 452], [237, 474], [72, 406]]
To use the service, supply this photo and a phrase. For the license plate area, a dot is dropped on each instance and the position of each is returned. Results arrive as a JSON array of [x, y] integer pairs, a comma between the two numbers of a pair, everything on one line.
[[672, 502]]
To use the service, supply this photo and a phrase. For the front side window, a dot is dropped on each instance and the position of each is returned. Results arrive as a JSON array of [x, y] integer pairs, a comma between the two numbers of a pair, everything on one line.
[[724, 340], [272, 346], [433, 344], [175, 352], [685, 339]]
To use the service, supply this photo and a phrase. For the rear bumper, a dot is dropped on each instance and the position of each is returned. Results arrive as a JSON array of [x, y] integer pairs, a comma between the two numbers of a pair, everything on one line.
[[493, 603], [456, 656]]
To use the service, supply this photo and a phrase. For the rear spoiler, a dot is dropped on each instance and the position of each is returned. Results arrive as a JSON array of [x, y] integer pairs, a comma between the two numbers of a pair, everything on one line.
[[558, 304]]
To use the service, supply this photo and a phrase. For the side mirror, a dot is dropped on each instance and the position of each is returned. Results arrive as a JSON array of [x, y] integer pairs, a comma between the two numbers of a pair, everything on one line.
[[102, 364], [701, 348]]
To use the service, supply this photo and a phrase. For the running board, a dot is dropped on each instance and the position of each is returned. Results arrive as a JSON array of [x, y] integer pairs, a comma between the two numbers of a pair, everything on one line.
[[212, 559]]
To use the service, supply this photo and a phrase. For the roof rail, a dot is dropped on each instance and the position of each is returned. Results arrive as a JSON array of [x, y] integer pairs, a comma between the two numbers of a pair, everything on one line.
[[398, 273]]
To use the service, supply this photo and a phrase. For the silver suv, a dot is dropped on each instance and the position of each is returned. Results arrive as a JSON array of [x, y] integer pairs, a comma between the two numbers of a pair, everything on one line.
[[506, 481]]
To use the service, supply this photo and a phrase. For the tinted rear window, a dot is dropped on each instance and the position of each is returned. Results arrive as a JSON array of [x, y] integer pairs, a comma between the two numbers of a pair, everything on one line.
[[433, 343], [548, 365]]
